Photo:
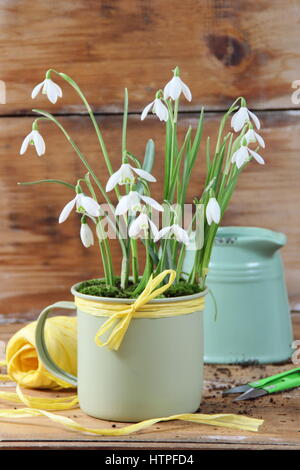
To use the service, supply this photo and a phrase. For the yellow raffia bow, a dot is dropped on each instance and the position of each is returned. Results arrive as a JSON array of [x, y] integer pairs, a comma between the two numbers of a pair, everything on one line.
[[24, 367], [120, 317]]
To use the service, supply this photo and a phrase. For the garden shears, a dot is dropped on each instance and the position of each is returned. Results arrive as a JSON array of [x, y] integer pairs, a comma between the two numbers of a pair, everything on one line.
[[273, 384]]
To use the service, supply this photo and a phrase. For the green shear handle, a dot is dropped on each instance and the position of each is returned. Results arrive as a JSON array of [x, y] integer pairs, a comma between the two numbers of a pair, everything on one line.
[[279, 382]]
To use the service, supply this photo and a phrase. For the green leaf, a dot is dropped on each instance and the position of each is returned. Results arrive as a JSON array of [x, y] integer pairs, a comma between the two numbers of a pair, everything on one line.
[[147, 163], [149, 156]]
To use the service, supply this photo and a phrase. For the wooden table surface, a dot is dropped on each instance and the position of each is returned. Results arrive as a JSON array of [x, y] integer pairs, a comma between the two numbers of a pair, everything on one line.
[[281, 412]]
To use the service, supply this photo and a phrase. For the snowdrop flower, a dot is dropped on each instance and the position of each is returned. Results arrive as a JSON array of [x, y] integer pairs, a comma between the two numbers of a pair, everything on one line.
[[86, 235], [125, 175], [133, 202], [174, 230], [141, 225], [34, 138], [88, 204], [252, 136], [49, 88], [175, 87], [241, 117], [242, 155], [158, 108], [213, 211]]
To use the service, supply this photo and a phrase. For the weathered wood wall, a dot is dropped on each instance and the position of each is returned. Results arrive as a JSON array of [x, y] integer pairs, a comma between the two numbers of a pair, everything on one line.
[[224, 48]]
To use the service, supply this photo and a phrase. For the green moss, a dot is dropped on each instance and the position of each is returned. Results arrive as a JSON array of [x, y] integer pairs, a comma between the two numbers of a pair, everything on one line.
[[97, 287]]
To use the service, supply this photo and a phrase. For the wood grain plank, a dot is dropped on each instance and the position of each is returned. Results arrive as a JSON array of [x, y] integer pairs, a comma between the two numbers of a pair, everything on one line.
[[280, 430], [225, 49], [40, 259]]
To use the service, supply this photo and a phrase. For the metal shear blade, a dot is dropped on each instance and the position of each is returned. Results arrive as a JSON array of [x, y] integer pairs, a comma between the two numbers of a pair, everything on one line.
[[251, 393], [239, 389]]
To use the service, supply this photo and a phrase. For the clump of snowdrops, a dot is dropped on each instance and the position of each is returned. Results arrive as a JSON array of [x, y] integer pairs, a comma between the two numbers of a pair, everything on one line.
[[136, 214]]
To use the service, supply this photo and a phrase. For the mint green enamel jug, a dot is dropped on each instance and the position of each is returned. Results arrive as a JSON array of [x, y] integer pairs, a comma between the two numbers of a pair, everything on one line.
[[246, 277]]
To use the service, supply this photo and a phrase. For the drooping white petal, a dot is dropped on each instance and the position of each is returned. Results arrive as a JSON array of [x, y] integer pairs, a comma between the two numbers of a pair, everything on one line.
[[254, 119], [186, 91], [180, 234], [57, 89], [252, 136], [89, 204], [213, 211], [51, 91], [86, 235], [151, 202], [167, 90], [146, 110], [239, 118], [153, 228], [240, 156], [37, 89], [141, 225], [175, 88], [126, 174], [162, 233], [260, 140], [25, 143], [257, 157], [160, 110], [135, 226], [144, 174], [113, 180], [67, 210], [209, 218], [39, 142], [129, 202]]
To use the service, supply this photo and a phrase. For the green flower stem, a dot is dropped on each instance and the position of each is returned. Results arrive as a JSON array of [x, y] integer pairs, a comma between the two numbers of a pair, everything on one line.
[[103, 244], [125, 270], [64, 183], [134, 260], [148, 268], [124, 127], [173, 141], [161, 264]]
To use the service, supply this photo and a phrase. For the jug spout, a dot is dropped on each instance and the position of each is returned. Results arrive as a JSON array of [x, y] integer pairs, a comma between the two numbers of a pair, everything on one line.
[[256, 239], [264, 241]]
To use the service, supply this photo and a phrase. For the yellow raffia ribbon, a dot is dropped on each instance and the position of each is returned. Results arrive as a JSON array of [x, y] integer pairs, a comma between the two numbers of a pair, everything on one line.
[[120, 316], [25, 368], [223, 420]]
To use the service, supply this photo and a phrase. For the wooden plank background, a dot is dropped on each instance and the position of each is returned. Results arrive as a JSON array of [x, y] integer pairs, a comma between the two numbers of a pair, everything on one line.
[[224, 48]]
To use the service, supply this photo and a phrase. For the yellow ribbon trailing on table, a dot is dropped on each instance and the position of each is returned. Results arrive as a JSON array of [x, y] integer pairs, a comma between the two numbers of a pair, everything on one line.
[[25, 368]]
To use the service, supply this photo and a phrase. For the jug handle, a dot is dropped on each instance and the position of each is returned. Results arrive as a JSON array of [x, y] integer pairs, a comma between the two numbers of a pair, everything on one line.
[[41, 347]]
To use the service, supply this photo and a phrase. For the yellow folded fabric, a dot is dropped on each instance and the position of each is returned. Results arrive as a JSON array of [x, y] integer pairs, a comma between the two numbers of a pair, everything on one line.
[[23, 364]]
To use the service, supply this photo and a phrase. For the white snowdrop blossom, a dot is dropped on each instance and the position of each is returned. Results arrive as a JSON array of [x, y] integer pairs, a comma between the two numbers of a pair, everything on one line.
[[241, 117], [252, 136], [175, 231], [158, 108], [175, 87], [242, 155], [49, 88], [125, 175], [82, 202], [86, 235], [141, 225], [34, 138], [133, 202], [213, 211]]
